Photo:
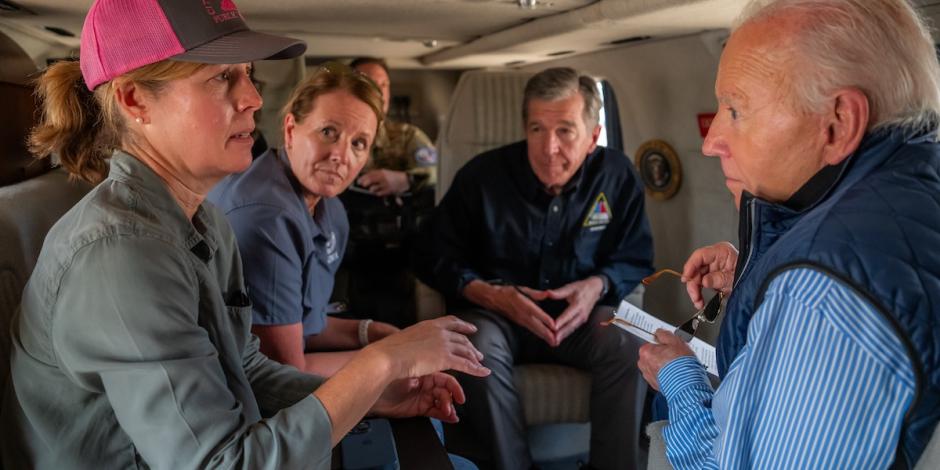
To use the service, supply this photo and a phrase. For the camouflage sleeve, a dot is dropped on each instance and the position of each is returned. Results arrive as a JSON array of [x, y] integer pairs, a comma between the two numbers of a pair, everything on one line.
[[424, 171]]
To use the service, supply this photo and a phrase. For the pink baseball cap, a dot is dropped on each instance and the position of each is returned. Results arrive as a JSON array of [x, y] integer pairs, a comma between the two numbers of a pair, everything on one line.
[[122, 35]]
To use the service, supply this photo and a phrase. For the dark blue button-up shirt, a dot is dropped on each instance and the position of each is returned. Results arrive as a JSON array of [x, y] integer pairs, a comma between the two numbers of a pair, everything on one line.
[[497, 221]]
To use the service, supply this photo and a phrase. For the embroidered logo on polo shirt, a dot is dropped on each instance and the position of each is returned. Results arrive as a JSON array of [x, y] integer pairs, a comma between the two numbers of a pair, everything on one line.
[[599, 213], [331, 255]]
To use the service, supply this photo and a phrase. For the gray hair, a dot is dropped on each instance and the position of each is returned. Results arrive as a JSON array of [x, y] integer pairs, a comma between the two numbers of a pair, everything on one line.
[[561, 82], [881, 47]]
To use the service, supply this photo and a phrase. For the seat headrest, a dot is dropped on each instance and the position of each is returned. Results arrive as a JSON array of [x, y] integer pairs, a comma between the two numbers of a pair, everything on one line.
[[18, 114], [17, 118], [18, 67]]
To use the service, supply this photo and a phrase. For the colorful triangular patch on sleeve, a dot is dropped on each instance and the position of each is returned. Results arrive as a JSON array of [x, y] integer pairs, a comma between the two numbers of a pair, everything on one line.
[[599, 213]]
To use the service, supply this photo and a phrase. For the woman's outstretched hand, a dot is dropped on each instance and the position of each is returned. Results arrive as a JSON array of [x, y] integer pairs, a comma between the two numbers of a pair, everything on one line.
[[400, 375], [431, 346]]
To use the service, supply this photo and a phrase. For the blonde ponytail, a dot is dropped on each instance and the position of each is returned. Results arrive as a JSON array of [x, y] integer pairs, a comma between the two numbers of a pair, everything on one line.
[[71, 124], [82, 127]]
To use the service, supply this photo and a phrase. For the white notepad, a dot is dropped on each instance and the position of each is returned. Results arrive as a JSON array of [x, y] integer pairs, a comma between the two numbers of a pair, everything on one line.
[[646, 324]]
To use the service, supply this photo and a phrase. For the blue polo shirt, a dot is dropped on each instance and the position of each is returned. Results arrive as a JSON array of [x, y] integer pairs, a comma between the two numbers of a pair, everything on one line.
[[497, 221], [290, 258]]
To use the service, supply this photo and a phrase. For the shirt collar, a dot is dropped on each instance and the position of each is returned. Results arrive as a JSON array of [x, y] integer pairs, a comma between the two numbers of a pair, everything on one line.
[[320, 223], [874, 148], [197, 234], [817, 187], [291, 178]]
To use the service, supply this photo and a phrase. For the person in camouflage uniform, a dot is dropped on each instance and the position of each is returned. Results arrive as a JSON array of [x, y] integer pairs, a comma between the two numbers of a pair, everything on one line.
[[404, 158]]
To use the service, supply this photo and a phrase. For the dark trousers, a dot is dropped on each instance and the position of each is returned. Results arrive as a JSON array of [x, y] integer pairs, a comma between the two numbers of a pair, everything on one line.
[[618, 390]]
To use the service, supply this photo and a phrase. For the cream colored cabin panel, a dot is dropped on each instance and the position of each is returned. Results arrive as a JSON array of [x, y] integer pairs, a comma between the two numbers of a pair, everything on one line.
[[429, 92]]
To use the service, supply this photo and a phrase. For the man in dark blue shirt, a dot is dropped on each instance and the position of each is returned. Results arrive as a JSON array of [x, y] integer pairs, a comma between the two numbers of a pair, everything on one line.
[[530, 243]]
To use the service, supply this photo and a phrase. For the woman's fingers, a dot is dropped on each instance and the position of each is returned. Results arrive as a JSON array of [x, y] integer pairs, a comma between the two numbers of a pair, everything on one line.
[[464, 341], [464, 350], [469, 367], [456, 391], [462, 355], [447, 392], [457, 325], [446, 414], [435, 345]]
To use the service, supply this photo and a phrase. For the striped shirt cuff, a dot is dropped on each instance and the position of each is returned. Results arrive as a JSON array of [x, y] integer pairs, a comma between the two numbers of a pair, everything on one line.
[[681, 374]]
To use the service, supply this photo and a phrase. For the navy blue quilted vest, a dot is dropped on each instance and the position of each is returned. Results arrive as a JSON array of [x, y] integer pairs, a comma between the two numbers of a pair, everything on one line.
[[876, 228]]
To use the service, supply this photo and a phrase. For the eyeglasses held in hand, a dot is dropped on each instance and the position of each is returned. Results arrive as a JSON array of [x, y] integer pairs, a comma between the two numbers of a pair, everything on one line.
[[709, 314]]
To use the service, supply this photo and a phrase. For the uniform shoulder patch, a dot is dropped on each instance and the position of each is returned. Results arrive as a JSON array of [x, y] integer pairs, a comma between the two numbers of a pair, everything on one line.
[[426, 156], [599, 213]]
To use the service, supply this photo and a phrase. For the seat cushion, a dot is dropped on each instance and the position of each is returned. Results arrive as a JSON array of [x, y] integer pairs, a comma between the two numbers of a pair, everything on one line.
[[657, 451], [16, 164], [28, 210], [552, 393], [930, 459], [485, 113]]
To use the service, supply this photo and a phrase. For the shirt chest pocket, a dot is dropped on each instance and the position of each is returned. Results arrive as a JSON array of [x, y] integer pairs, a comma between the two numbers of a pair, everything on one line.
[[227, 324], [240, 324]]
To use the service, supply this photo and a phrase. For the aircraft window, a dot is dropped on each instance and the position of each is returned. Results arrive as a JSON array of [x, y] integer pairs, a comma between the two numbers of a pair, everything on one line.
[[602, 140], [609, 117]]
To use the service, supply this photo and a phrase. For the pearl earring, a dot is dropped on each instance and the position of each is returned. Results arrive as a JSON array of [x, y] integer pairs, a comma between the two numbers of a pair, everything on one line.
[[139, 120]]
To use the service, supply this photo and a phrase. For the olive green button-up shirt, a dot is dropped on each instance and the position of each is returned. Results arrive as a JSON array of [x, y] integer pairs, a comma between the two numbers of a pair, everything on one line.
[[132, 346]]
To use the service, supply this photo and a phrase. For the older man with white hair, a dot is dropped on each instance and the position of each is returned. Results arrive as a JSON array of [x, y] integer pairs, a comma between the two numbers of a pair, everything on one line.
[[830, 349]]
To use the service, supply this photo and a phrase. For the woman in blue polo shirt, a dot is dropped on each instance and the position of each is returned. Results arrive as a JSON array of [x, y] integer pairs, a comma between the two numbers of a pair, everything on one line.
[[292, 230]]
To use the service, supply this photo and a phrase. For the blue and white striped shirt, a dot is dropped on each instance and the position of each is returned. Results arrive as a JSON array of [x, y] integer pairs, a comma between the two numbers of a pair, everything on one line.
[[823, 383]]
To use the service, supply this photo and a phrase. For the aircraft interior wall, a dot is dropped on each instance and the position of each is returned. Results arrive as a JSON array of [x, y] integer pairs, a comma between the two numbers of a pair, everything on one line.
[[430, 92], [39, 46]]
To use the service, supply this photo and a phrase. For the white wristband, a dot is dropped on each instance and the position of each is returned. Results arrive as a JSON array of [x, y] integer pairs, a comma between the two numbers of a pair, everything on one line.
[[364, 332]]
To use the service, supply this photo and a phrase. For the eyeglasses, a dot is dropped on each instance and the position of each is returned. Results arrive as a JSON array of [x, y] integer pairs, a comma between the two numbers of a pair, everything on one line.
[[708, 314]]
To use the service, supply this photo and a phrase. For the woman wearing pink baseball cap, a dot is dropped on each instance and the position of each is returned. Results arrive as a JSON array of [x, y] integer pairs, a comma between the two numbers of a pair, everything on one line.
[[132, 345]]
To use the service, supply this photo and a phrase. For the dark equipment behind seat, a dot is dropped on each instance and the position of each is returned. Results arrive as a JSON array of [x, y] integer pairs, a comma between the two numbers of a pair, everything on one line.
[[375, 279]]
